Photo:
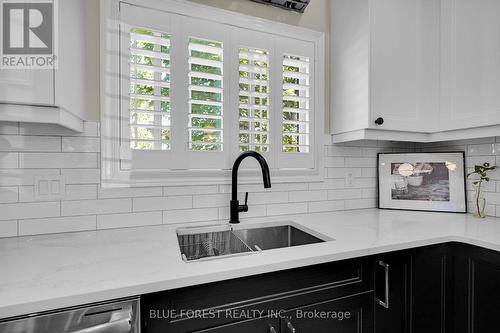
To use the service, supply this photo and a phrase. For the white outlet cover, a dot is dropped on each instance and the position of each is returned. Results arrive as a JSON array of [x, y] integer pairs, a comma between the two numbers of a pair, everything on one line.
[[349, 179], [49, 187]]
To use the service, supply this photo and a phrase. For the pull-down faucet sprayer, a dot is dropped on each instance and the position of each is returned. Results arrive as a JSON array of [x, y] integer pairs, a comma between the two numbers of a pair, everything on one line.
[[235, 206]]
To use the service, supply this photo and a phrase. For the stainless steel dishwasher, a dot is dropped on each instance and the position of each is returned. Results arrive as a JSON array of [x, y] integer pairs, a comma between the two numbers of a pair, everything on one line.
[[117, 317]]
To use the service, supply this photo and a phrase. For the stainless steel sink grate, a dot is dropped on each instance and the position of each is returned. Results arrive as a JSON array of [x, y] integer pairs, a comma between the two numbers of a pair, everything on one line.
[[210, 244]]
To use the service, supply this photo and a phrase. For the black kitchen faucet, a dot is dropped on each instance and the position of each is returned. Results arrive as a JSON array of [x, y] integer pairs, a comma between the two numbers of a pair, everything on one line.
[[235, 206]]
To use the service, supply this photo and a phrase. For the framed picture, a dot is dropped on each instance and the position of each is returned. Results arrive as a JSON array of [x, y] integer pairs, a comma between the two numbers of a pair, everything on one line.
[[422, 181]]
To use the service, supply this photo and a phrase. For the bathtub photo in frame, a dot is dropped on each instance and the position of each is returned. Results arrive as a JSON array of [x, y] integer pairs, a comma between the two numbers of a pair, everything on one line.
[[422, 181]]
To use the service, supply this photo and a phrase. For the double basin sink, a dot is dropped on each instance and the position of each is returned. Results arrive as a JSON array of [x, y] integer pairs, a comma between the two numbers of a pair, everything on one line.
[[216, 241]]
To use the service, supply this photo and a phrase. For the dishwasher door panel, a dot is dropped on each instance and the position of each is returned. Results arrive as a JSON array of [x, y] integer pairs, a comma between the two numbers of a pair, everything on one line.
[[117, 317]]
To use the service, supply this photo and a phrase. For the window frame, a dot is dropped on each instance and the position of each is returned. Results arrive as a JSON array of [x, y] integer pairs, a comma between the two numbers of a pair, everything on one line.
[[116, 166]]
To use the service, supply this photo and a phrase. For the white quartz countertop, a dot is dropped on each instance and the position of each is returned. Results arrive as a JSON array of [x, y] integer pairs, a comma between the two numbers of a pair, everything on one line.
[[54, 271]]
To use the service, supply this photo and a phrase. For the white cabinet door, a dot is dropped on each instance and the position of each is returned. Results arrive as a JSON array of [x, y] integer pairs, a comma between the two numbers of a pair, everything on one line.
[[27, 86], [470, 93], [405, 64]]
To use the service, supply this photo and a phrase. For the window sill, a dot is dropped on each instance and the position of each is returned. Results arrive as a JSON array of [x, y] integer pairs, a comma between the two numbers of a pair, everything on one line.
[[152, 178]]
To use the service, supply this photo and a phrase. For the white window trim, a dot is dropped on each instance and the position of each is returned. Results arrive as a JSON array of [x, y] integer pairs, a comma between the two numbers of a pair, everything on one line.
[[111, 173]]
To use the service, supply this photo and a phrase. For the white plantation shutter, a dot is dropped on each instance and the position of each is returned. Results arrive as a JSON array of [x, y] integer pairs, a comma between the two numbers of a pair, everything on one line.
[[206, 95], [254, 110], [194, 94], [296, 104], [150, 112]]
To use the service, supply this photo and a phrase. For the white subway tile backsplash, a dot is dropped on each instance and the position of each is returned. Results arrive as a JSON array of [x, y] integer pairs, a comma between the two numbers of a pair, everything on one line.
[[26, 193], [343, 151], [189, 190], [470, 161], [360, 204], [162, 203], [334, 162], [369, 193], [81, 144], [190, 215], [9, 160], [129, 192], [483, 149], [343, 172], [29, 210], [81, 176], [12, 177], [80, 192], [364, 183], [258, 198], [211, 200], [30, 143], [109, 221], [373, 152], [90, 207], [306, 196], [288, 208], [328, 184], [29, 150], [492, 198], [361, 162], [9, 194], [56, 225], [326, 206], [57, 160], [9, 128], [8, 228], [344, 194], [73, 192], [280, 187], [369, 173]]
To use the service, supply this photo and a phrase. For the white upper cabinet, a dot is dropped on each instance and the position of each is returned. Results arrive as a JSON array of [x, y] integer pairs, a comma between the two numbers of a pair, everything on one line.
[[470, 67], [385, 58], [415, 70], [404, 81], [27, 86], [55, 94]]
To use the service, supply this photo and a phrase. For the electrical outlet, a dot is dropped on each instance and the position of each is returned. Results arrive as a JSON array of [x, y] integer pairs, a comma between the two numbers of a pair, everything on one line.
[[349, 179], [49, 187]]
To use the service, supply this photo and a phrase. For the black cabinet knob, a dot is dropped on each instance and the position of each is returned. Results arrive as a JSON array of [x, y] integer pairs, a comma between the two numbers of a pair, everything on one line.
[[379, 121]]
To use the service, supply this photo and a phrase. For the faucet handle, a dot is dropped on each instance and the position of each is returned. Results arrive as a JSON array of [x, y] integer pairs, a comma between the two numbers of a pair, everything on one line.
[[244, 207]]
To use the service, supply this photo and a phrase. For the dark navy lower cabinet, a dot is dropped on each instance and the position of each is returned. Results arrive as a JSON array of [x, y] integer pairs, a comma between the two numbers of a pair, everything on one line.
[[333, 297], [414, 290], [431, 289], [266, 324], [444, 288], [392, 292], [477, 290], [351, 314]]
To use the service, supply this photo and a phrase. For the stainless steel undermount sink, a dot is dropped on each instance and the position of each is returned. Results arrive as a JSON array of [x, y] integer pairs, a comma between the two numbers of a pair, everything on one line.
[[215, 241]]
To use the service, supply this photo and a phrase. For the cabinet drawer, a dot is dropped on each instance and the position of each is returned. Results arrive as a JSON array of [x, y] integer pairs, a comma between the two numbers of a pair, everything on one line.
[[352, 314], [267, 292]]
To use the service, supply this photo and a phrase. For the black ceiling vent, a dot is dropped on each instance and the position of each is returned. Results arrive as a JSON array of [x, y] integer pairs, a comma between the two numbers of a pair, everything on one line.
[[295, 5]]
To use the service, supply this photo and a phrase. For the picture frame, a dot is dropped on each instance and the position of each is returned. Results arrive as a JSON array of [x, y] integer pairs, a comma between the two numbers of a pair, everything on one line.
[[433, 181]]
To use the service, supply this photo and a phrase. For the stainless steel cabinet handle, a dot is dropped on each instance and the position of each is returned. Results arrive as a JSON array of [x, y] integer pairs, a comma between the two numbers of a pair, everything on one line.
[[385, 302], [290, 327], [121, 321]]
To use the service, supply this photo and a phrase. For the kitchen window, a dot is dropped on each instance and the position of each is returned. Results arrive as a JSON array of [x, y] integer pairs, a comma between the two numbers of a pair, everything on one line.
[[183, 95]]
